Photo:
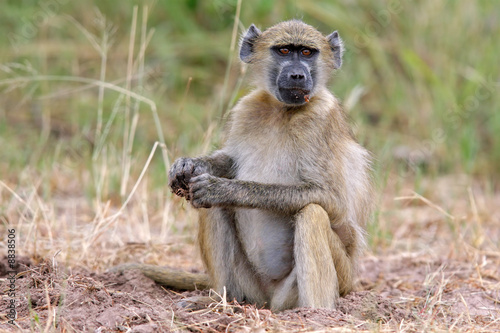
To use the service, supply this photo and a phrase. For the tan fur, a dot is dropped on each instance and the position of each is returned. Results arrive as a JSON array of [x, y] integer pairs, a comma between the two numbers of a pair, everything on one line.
[[287, 196]]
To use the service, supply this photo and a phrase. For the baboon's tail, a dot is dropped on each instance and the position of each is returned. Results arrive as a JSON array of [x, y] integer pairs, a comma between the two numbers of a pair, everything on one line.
[[169, 277]]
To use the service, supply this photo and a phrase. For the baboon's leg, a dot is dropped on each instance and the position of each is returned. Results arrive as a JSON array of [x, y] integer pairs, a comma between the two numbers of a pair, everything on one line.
[[225, 259], [344, 264], [286, 293], [321, 263]]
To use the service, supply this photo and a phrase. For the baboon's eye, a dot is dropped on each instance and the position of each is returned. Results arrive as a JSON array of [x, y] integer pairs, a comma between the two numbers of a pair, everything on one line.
[[306, 52], [284, 50]]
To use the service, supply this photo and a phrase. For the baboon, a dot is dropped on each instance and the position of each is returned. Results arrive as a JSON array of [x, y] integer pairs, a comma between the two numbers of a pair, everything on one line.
[[283, 204]]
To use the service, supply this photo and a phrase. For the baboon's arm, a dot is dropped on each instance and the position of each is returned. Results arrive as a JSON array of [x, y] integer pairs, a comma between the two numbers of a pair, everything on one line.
[[221, 164], [207, 191]]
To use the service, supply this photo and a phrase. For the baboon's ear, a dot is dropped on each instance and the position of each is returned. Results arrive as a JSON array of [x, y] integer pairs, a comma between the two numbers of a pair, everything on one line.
[[337, 46], [247, 43]]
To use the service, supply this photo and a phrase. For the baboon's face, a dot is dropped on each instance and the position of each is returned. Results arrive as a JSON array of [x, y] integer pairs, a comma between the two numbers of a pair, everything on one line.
[[292, 77], [291, 59]]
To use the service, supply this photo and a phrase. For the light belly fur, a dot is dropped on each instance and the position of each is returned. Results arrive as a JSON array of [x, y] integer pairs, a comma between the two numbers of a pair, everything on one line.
[[266, 236], [267, 240]]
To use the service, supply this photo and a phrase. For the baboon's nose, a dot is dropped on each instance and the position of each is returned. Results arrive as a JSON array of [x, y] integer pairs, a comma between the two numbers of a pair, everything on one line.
[[297, 76]]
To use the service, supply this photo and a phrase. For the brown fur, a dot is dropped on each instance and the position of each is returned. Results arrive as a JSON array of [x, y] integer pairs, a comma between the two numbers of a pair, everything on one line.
[[284, 203]]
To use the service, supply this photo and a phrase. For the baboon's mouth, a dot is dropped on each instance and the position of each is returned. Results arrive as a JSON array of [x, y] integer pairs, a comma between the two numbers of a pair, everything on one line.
[[298, 91], [295, 95]]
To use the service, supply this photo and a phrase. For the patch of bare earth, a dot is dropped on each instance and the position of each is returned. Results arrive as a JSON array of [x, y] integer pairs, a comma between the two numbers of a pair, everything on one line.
[[433, 265], [395, 292]]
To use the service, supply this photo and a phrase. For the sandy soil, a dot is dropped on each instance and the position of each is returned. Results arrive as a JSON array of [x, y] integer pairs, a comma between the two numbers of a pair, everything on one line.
[[432, 265], [408, 292]]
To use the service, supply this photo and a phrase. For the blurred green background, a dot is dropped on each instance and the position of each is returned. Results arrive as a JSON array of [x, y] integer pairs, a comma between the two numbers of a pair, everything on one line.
[[420, 81]]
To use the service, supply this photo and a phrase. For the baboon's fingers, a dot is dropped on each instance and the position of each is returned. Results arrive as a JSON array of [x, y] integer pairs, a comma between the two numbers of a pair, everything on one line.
[[179, 175]]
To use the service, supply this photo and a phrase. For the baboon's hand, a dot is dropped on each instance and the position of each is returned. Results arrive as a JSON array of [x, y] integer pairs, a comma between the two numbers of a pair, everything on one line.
[[182, 171], [206, 191]]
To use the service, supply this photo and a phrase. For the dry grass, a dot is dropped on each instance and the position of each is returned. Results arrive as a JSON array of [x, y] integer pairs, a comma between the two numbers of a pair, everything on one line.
[[434, 259], [434, 249]]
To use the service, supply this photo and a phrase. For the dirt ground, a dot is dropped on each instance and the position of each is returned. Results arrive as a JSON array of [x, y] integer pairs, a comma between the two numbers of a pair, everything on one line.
[[403, 290], [432, 265]]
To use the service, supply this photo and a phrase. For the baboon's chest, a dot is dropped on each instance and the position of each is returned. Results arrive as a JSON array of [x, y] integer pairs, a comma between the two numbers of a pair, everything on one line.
[[270, 160]]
